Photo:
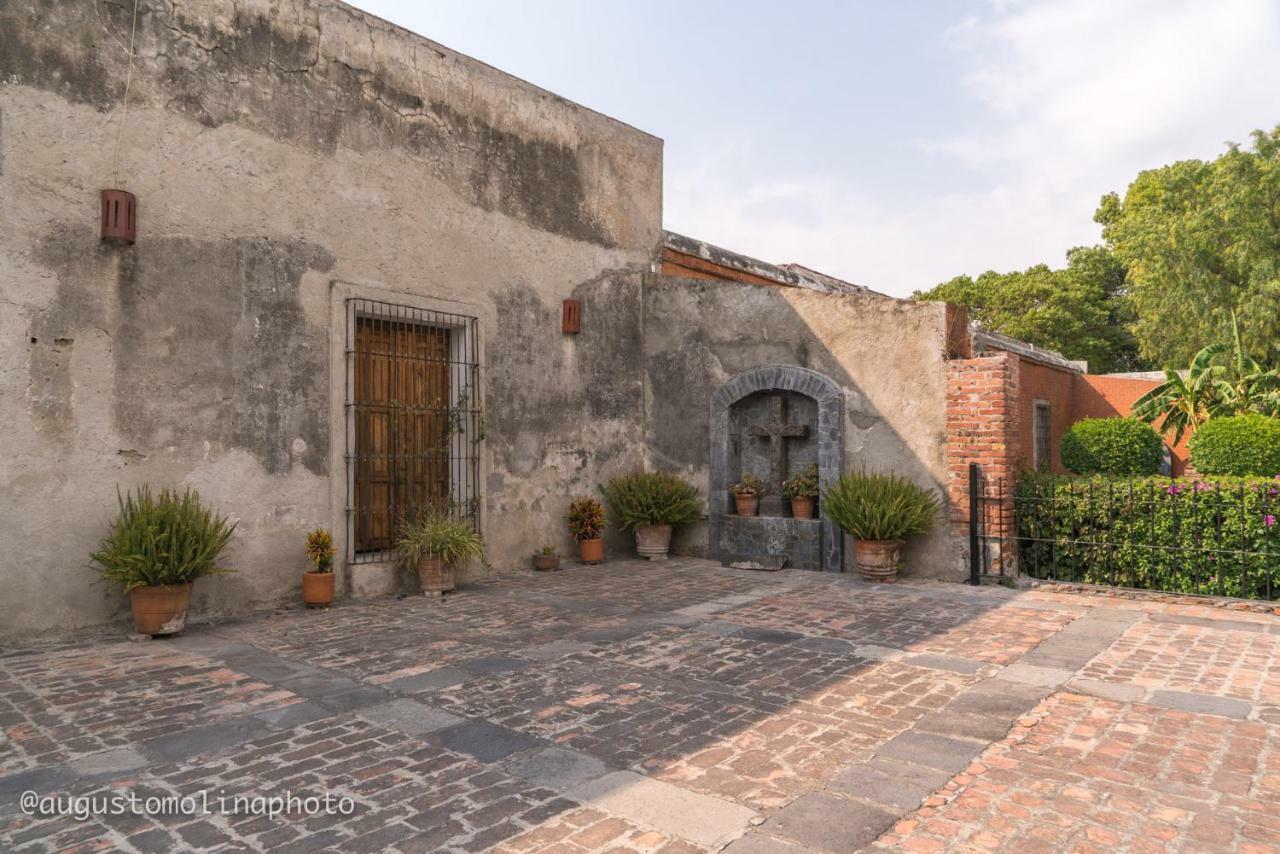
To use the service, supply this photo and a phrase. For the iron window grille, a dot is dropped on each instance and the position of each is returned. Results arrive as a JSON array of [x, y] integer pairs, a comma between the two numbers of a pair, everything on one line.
[[414, 421], [1041, 427]]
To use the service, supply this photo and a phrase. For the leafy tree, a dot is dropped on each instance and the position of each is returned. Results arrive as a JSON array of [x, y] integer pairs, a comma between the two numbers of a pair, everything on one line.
[[1081, 311], [1199, 240]]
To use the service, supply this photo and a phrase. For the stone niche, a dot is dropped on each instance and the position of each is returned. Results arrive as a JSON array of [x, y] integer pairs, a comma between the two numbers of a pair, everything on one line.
[[773, 422]]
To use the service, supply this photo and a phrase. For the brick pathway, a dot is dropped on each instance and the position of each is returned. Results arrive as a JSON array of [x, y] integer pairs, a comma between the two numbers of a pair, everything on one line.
[[677, 707]]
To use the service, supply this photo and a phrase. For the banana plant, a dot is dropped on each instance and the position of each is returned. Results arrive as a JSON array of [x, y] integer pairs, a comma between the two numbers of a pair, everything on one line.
[[1183, 403], [1250, 387]]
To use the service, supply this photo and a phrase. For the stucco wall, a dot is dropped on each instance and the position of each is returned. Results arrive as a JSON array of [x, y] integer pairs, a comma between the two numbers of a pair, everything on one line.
[[287, 155], [886, 354]]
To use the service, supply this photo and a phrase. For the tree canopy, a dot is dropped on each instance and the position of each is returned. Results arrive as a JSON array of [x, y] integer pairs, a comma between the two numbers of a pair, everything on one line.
[[1081, 310]]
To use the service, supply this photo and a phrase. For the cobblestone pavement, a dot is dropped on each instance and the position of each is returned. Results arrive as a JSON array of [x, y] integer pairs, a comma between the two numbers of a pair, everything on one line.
[[658, 707]]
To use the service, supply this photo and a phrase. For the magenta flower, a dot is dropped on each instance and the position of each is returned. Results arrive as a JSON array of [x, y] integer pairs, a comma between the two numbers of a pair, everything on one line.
[[1173, 489], [1203, 487], [1269, 520]]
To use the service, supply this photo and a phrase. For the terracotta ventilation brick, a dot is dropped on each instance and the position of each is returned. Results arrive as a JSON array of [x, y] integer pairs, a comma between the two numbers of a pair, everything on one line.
[[571, 319], [119, 215]]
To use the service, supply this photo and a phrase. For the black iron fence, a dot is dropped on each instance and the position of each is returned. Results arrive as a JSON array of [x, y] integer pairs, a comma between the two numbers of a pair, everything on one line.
[[1216, 537]]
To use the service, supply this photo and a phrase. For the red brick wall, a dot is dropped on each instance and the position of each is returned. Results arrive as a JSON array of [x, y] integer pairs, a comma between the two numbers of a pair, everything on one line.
[[982, 426], [1106, 397], [1056, 387]]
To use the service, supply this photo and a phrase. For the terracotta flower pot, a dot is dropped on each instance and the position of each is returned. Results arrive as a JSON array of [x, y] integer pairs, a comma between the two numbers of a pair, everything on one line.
[[317, 589], [546, 563], [591, 551], [435, 576], [748, 505], [878, 559], [653, 541], [802, 506], [160, 610]]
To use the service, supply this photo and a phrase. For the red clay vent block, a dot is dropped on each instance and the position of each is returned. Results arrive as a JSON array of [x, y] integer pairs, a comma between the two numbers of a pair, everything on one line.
[[571, 319], [119, 216]]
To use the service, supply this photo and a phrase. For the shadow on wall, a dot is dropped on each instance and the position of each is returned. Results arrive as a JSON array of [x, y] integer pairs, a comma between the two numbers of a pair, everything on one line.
[[886, 355]]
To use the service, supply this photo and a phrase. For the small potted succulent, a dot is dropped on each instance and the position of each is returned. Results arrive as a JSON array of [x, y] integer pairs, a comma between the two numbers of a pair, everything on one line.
[[158, 545], [546, 559], [317, 583], [434, 543], [746, 494], [879, 511], [652, 503], [802, 488], [586, 524]]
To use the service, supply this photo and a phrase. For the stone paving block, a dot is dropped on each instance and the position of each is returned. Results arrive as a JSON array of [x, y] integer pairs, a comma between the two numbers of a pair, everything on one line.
[[889, 782], [1210, 623], [485, 741], [680, 812], [830, 646], [317, 684], [769, 635], [951, 722], [933, 751], [353, 698], [756, 842], [49, 779], [951, 663], [878, 653], [210, 738], [1203, 704], [441, 677], [118, 760], [1031, 674], [557, 768], [489, 664], [294, 715], [824, 822], [541, 652], [1108, 690], [265, 666], [409, 716], [1000, 698]]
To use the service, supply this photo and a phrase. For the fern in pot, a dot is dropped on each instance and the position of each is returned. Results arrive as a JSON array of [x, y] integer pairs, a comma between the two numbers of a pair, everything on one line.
[[434, 543], [158, 546], [652, 503], [879, 511]]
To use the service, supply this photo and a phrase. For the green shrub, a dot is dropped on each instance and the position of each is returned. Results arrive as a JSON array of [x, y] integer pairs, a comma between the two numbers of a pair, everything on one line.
[[646, 498], [1237, 445], [1111, 446], [802, 484], [870, 506], [320, 549], [586, 518], [1210, 537], [437, 533], [162, 539]]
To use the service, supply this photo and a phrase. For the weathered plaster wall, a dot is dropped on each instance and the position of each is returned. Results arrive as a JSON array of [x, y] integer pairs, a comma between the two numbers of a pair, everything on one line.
[[286, 154], [886, 354]]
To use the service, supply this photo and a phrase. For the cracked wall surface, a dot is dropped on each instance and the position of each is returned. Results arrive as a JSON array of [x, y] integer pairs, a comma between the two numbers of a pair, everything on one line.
[[285, 154]]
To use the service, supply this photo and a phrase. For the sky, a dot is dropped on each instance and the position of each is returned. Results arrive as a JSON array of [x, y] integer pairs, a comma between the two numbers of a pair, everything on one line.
[[895, 143]]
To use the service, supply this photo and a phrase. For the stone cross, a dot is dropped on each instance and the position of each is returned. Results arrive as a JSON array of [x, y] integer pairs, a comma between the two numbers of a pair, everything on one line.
[[776, 431]]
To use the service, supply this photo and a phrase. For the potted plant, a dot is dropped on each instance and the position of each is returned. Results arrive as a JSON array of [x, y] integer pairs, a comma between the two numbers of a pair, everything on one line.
[[879, 511], [802, 488], [546, 559], [652, 503], [434, 543], [317, 583], [746, 494], [157, 547], [586, 523]]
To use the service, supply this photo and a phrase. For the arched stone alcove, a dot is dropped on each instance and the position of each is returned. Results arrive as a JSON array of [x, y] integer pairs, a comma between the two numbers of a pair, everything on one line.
[[750, 411]]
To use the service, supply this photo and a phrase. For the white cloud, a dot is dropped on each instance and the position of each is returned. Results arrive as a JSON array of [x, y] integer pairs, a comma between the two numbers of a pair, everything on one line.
[[1074, 97]]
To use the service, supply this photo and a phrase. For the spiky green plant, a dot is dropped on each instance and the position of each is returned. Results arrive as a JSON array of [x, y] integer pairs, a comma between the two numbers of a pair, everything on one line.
[[870, 506], [651, 498], [163, 538], [436, 533]]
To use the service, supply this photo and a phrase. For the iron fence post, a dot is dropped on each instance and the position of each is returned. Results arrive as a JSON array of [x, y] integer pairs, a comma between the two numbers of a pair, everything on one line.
[[975, 503]]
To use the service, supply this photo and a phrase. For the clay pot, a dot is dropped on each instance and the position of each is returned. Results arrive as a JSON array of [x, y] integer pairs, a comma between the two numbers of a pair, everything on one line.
[[878, 559], [591, 551], [317, 589], [748, 505], [546, 563], [802, 506], [653, 541], [435, 576], [160, 610]]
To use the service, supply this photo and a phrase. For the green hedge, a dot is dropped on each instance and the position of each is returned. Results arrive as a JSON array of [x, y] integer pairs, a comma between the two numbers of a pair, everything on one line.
[[1214, 536], [1111, 446], [1237, 445]]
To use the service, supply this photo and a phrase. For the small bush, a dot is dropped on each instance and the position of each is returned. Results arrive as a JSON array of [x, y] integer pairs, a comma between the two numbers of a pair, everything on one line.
[[162, 539], [436, 533], [586, 518], [1112, 446], [749, 485], [646, 498], [1241, 445], [803, 484], [320, 549], [881, 506]]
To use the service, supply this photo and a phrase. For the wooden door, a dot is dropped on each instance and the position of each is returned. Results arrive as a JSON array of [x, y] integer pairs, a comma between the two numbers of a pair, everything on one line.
[[402, 416]]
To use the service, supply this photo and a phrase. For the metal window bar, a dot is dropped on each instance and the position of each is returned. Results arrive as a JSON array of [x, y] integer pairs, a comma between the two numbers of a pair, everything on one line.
[[1173, 536], [415, 420]]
